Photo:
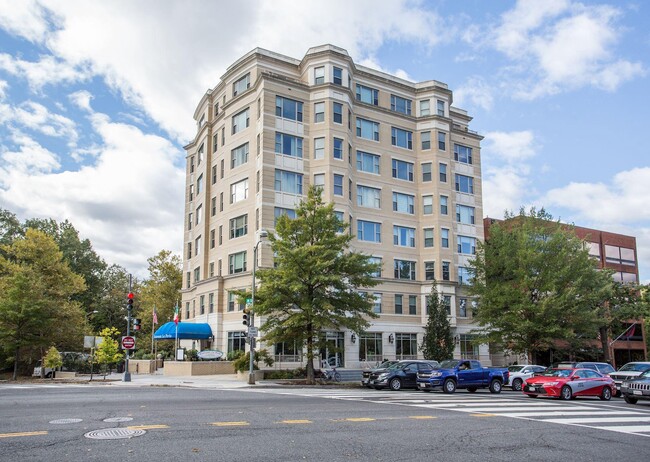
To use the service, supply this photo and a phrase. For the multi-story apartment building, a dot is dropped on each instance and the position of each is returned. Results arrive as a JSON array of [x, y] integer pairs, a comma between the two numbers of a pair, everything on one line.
[[398, 161]]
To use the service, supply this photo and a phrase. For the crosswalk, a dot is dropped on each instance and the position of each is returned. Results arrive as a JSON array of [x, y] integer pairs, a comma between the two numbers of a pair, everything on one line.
[[591, 414]]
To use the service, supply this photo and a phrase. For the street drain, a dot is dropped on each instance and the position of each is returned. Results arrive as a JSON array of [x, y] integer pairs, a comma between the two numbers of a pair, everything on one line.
[[118, 419], [114, 434], [65, 421]]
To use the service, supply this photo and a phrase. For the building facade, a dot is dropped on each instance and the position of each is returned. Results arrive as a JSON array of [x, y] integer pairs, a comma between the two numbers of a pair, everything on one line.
[[398, 161]]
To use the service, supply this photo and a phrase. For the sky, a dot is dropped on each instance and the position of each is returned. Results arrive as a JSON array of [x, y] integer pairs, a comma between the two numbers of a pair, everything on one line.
[[97, 99]]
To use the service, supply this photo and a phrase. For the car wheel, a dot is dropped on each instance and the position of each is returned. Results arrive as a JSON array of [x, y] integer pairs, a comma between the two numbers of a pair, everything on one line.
[[566, 393], [606, 394], [532, 396], [395, 384], [472, 389], [629, 399], [517, 384], [495, 386], [449, 386]]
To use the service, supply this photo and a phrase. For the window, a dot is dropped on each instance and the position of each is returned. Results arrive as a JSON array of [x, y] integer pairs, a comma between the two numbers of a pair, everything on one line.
[[462, 307], [367, 162], [462, 153], [425, 137], [338, 185], [399, 104], [367, 95], [240, 121], [464, 275], [319, 75], [257, 181], [440, 107], [402, 170], [238, 226], [368, 231], [211, 296], [442, 168], [370, 347], [426, 171], [221, 202], [405, 269], [403, 236], [189, 250], [191, 194], [319, 112], [213, 239], [220, 235], [465, 214], [239, 191], [337, 76], [443, 205], [398, 303], [288, 108], [236, 341], [444, 238], [619, 255], [337, 113], [349, 189], [288, 145], [442, 141], [446, 303], [428, 237], [367, 129], [425, 108], [427, 205], [279, 211], [241, 85], [464, 184], [445, 271], [466, 245], [368, 197], [413, 304], [216, 109], [190, 220], [376, 260], [429, 271], [199, 214], [401, 138], [202, 304], [223, 168], [223, 138], [239, 156], [338, 148], [319, 181], [197, 274], [199, 185], [288, 352], [288, 182], [237, 263], [200, 154], [341, 218], [376, 307], [403, 203], [319, 148], [406, 346], [214, 174]]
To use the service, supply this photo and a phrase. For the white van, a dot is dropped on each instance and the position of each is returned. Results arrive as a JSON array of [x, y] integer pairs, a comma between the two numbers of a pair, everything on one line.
[[48, 373]]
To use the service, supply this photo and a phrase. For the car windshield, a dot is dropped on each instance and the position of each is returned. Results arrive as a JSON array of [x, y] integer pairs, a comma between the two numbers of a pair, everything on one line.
[[515, 368], [605, 369], [646, 374], [636, 367], [386, 364], [556, 373], [449, 364], [395, 366]]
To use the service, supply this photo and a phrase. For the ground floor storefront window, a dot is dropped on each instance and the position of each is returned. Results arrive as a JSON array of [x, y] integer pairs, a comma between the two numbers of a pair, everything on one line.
[[406, 346]]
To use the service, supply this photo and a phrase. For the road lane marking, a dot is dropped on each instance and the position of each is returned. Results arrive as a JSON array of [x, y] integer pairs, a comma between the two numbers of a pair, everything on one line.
[[581, 420], [483, 415], [230, 424], [13, 435], [297, 421], [422, 417], [359, 419], [628, 429], [146, 427]]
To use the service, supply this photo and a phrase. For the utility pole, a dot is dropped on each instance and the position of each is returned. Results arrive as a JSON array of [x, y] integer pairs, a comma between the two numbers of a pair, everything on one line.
[[129, 308]]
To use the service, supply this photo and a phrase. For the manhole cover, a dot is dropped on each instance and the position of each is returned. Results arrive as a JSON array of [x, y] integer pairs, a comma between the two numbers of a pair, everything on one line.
[[114, 434], [118, 419], [65, 421]]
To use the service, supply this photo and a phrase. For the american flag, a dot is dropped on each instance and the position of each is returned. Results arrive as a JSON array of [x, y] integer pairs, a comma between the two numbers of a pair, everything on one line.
[[155, 316]]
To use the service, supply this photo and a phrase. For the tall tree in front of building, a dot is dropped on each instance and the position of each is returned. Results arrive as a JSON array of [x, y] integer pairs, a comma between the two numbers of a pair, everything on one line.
[[536, 285], [438, 342], [317, 282]]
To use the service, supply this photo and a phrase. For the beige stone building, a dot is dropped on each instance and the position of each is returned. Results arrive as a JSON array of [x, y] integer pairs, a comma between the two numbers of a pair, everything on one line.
[[395, 157]]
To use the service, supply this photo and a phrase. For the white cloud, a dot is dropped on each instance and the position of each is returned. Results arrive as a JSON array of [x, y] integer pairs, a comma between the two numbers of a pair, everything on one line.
[[81, 99], [25, 18], [31, 158], [3, 89], [38, 118], [475, 92], [48, 70]]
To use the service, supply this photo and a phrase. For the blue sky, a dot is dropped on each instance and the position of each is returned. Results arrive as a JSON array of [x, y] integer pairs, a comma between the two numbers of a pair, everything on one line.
[[96, 101]]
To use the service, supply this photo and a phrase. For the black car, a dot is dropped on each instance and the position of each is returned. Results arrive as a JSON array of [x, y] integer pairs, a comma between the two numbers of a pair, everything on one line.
[[635, 389], [402, 374], [365, 375]]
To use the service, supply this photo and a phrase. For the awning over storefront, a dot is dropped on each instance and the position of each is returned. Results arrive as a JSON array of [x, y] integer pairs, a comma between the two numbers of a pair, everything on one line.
[[186, 330]]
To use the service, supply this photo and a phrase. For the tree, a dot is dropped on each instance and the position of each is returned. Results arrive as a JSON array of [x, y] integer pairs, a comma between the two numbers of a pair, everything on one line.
[[52, 360], [108, 352], [111, 307], [316, 283], [536, 285], [438, 342]]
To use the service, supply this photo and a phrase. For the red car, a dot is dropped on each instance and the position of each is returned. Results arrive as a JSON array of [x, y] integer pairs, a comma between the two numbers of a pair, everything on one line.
[[570, 383]]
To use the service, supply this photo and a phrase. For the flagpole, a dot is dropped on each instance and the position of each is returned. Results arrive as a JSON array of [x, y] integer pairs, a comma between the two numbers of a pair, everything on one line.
[[153, 326]]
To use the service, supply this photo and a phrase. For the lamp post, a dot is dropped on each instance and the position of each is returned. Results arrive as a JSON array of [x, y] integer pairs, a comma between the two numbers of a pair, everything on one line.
[[251, 339]]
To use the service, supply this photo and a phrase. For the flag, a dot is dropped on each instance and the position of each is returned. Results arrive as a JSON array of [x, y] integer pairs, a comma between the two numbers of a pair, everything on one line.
[[176, 317], [155, 316]]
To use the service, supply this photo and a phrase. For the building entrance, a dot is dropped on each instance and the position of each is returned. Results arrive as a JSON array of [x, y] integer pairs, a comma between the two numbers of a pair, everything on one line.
[[334, 349]]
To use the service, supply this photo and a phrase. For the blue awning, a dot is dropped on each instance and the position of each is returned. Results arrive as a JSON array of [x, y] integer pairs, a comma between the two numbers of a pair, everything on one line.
[[186, 330]]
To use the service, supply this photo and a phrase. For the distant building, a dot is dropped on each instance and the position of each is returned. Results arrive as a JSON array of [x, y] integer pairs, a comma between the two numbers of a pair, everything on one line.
[[396, 158]]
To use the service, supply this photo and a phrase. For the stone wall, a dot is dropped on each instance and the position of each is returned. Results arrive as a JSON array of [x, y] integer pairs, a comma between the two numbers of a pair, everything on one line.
[[179, 368]]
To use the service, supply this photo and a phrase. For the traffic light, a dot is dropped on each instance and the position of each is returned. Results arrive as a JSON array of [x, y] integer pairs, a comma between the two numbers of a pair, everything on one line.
[[129, 301], [136, 323], [246, 318]]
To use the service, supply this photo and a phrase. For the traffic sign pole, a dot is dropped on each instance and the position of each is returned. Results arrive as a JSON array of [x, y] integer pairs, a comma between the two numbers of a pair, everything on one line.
[[127, 374]]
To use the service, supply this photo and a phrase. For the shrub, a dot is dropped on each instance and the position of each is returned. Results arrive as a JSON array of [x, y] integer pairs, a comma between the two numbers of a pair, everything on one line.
[[242, 363], [233, 355]]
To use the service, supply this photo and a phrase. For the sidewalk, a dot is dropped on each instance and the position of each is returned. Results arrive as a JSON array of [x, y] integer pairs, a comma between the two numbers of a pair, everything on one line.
[[220, 381]]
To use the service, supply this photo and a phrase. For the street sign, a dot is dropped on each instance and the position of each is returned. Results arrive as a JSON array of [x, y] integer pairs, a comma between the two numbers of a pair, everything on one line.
[[128, 343], [252, 331], [249, 302]]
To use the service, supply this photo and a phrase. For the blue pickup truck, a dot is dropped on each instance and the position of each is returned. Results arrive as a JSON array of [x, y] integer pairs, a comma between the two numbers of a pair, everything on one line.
[[463, 373]]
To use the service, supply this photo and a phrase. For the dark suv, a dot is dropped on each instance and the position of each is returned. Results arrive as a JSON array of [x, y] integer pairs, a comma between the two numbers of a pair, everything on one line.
[[603, 368], [402, 374]]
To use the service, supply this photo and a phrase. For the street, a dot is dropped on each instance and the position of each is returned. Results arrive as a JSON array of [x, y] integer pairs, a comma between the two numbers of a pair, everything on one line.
[[48, 422]]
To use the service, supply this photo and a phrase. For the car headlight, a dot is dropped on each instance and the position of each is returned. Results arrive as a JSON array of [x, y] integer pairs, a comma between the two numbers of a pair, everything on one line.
[[625, 384], [382, 376], [436, 374], [551, 384]]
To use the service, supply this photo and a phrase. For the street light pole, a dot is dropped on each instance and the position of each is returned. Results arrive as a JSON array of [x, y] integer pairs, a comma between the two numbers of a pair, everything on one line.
[[251, 367]]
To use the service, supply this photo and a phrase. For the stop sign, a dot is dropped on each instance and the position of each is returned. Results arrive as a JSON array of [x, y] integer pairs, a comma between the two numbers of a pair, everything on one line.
[[128, 343]]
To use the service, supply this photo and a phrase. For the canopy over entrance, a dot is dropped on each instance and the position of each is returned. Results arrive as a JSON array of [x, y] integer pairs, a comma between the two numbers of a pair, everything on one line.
[[186, 330]]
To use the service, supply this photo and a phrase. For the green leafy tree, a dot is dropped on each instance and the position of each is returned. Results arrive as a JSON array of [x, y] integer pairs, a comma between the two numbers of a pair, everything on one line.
[[10, 228], [536, 284], [316, 284], [242, 362], [52, 360], [36, 306], [108, 352], [111, 307], [438, 342]]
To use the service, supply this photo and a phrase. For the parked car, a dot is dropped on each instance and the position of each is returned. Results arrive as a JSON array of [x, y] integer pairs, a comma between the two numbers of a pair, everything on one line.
[[401, 374], [603, 368], [627, 372], [521, 372], [463, 373], [47, 373], [637, 388], [365, 375], [570, 383]]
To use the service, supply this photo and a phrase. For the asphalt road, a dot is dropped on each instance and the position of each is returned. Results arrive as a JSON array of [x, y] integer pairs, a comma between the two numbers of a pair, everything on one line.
[[311, 424]]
